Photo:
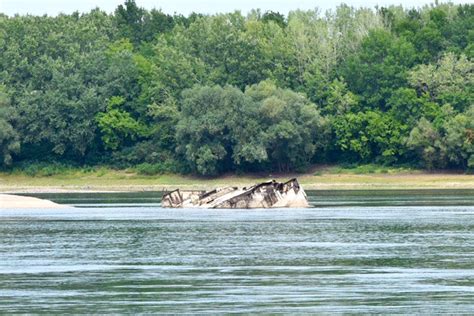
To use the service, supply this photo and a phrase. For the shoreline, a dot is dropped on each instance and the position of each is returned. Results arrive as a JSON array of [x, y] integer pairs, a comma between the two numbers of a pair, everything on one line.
[[33, 191], [323, 177], [89, 184]]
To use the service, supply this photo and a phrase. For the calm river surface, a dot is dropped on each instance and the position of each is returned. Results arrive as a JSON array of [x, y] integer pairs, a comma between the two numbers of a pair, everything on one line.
[[353, 252]]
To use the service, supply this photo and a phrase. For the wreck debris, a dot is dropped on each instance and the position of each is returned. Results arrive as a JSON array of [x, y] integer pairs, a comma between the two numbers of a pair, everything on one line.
[[270, 194]]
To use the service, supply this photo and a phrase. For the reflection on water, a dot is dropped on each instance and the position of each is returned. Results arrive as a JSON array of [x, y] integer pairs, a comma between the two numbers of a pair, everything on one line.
[[391, 252]]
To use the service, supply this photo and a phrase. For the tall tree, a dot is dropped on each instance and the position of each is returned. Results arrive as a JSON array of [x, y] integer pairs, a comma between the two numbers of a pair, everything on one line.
[[379, 67], [449, 81], [293, 131], [211, 118], [9, 140]]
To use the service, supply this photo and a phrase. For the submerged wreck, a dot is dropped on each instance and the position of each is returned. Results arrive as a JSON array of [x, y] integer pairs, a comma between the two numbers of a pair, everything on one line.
[[269, 194]]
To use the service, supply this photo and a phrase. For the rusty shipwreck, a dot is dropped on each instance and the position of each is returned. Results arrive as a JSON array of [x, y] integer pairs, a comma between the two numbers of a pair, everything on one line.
[[270, 194]]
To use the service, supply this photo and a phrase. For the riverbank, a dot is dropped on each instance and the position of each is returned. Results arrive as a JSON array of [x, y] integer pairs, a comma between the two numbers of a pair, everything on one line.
[[322, 178], [17, 201]]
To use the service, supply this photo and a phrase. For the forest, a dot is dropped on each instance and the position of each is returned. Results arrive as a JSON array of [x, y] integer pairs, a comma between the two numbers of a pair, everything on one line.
[[209, 94]]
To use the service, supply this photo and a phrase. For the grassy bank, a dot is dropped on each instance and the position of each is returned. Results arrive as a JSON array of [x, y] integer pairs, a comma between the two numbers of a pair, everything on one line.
[[320, 178]]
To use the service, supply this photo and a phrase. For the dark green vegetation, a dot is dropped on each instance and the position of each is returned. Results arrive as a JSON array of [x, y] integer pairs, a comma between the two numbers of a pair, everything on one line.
[[209, 94]]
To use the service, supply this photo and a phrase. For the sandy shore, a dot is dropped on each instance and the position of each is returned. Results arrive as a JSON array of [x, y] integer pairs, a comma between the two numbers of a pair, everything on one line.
[[321, 179], [18, 201]]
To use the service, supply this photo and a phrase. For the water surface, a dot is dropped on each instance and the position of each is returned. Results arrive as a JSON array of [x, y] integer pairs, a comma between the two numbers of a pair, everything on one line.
[[352, 252]]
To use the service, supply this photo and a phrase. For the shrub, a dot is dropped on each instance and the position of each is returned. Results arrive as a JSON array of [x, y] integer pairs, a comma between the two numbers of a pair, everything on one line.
[[166, 166], [42, 169]]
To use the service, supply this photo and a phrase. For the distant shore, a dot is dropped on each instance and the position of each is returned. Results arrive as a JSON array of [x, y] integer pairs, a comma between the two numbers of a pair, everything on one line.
[[320, 179]]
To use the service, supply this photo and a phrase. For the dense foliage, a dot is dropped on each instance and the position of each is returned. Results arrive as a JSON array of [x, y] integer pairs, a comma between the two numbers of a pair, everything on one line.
[[209, 94]]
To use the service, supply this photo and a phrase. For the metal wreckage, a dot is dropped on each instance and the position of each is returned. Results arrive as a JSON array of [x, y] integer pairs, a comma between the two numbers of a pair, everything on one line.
[[270, 194]]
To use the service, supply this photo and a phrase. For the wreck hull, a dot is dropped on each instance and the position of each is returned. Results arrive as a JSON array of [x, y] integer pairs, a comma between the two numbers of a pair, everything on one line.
[[258, 200], [269, 194]]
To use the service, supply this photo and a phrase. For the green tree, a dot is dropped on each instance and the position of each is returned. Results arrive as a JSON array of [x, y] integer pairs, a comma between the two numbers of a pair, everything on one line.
[[9, 140], [129, 20], [406, 106], [392, 85], [426, 140], [52, 68], [275, 17], [167, 72], [293, 129], [379, 67], [459, 139], [449, 81], [369, 136], [447, 141], [236, 51], [340, 100], [211, 120], [320, 44], [117, 126], [429, 40], [139, 25]]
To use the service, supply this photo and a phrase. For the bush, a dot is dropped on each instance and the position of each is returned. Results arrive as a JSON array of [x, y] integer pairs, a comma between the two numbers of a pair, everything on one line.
[[151, 169], [369, 169], [42, 169]]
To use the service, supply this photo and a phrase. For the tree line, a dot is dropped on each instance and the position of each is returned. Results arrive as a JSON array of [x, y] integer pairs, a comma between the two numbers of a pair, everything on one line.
[[207, 94]]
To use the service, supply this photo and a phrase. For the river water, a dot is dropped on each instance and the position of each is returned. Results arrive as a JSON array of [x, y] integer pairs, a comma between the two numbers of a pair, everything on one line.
[[352, 252]]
